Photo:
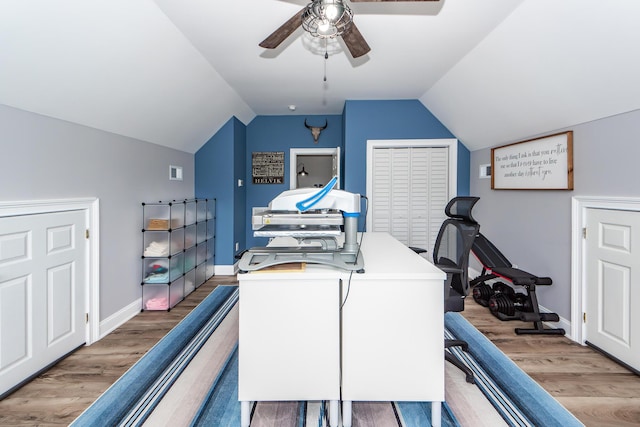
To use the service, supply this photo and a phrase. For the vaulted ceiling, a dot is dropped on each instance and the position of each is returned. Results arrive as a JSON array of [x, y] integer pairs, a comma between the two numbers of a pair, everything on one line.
[[172, 72]]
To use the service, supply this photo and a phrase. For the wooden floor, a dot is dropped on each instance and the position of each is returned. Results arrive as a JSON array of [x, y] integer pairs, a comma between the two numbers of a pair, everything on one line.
[[596, 390]]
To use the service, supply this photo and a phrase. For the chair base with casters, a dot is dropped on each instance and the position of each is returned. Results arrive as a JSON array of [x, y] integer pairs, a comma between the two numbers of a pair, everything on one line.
[[455, 302], [457, 306], [451, 358], [501, 298]]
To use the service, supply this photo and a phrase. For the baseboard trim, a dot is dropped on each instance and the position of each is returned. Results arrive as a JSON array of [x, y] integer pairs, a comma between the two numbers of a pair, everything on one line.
[[118, 318], [226, 270]]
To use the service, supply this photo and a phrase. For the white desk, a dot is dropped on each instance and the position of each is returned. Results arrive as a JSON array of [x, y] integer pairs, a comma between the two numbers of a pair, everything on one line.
[[389, 335]]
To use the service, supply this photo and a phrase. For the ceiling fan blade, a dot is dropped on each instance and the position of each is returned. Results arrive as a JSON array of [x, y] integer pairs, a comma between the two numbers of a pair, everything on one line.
[[285, 30], [356, 44]]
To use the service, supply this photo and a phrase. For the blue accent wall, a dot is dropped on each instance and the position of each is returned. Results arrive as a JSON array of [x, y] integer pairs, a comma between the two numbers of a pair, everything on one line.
[[226, 158], [464, 170], [239, 173], [218, 165], [398, 119], [280, 133]]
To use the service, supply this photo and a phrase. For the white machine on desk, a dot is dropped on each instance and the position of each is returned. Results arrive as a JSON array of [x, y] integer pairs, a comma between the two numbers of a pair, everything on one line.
[[314, 218]]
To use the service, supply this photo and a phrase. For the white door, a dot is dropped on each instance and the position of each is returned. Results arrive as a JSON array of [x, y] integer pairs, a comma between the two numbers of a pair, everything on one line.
[[409, 191], [42, 292], [613, 283]]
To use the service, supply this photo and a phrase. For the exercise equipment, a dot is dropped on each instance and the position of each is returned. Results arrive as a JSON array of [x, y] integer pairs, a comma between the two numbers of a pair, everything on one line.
[[501, 298]]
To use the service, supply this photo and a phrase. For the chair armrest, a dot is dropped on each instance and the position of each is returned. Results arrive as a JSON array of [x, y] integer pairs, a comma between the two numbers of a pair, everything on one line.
[[417, 250]]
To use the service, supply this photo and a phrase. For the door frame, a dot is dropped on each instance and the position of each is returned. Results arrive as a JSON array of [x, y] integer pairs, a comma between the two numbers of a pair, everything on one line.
[[91, 207], [293, 161], [579, 211], [450, 143]]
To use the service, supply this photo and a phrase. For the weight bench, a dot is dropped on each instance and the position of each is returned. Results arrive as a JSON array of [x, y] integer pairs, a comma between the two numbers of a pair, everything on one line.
[[501, 298]]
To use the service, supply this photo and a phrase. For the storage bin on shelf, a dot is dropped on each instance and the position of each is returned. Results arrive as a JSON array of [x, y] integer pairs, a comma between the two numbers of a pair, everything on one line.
[[163, 216], [190, 235], [203, 210], [190, 213], [163, 243], [202, 273], [190, 281], [163, 270], [190, 259], [162, 296]]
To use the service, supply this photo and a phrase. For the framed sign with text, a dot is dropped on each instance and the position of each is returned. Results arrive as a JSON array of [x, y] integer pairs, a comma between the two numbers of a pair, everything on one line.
[[538, 164], [267, 167]]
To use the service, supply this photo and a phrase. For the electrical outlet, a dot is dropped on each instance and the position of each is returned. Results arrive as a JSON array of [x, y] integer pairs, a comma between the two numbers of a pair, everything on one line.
[[237, 246]]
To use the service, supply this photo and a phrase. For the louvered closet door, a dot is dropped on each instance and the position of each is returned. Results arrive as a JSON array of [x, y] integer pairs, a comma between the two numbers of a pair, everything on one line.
[[400, 202], [410, 191]]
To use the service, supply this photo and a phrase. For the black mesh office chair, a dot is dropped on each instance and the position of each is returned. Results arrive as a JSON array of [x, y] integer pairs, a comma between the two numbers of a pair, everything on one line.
[[451, 255]]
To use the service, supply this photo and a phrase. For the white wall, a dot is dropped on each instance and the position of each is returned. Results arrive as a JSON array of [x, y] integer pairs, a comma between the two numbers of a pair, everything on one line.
[[45, 158], [533, 228]]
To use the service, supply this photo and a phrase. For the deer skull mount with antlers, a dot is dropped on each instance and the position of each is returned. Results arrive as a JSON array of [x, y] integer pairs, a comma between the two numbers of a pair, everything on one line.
[[315, 130]]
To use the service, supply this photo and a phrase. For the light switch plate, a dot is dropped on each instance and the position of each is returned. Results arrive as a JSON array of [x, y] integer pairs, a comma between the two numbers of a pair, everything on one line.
[[485, 171]]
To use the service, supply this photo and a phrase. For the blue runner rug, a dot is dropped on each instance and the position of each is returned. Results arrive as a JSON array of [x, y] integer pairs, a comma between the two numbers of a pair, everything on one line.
[[221, 407], [131, 399]]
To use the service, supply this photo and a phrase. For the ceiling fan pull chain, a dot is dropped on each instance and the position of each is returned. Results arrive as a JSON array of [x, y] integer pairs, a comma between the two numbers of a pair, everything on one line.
[[326, 57]]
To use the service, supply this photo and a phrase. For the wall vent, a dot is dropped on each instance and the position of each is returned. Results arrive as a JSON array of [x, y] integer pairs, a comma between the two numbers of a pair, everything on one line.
[[175, 173]]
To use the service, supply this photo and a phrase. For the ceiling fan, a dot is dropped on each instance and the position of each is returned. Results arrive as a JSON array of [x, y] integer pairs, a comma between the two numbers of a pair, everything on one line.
[[325, 19]]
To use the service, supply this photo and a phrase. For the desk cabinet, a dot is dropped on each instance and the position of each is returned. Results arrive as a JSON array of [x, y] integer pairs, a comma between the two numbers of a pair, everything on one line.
[[392, 348], [384, 326], [289, 338], [393, 326]]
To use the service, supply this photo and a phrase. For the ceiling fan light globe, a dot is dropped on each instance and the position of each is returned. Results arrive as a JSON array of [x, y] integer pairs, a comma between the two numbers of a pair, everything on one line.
[[333, 11], [326, 18], [326, 29]]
